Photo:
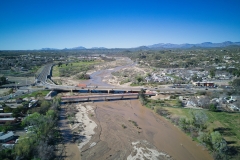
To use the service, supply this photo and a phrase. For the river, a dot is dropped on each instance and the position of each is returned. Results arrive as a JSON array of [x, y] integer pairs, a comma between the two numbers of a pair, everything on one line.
[[97, 77]]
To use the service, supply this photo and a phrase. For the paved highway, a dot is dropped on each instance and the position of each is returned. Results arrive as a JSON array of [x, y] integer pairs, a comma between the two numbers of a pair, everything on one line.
[[46, 72]]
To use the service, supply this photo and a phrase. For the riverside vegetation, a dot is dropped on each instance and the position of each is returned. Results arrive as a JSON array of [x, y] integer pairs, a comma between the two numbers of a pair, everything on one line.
[[199, 125], [42, 138]]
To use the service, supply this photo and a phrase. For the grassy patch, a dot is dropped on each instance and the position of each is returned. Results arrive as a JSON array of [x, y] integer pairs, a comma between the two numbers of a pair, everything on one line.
[[67, 70], [55, 71], [228, 124], [163, 103], [36, 94]]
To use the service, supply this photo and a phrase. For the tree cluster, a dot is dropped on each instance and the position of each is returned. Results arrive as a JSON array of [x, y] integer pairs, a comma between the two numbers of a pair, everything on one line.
[[3, 80], [83, 76], [39, 142]]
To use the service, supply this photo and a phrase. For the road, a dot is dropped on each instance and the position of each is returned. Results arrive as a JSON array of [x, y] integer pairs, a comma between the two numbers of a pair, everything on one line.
[[43, 76]]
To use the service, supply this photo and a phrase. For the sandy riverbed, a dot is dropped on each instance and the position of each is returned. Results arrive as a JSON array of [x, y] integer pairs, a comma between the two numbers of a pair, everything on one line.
[[101, 75], [127, 130]]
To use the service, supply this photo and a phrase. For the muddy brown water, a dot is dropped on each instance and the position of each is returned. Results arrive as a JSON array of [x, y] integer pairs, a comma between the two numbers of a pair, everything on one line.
[[112, 139]]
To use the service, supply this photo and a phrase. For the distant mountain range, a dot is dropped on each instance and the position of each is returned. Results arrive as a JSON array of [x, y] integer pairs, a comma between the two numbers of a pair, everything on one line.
[[163, 46], [186, 45]]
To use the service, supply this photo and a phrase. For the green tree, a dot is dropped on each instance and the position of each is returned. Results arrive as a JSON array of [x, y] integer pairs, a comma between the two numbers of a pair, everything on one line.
[[31, 119], [25, 147], [236, 83], [3, 80], [219, 146], [148, 74], [142, 97], [139, 79], [7, 127], [199, 119], [205, 139], [212, 73], [59, 64], [183, 123], [45, 105], [212, 107], [195, 78], [56, 102], [6, 154], [218, 143], [17, 111], [7, 109]]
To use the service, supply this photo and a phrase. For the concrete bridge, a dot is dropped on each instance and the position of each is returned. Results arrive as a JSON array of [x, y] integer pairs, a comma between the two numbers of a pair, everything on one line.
[[108, 90], [104, 97]]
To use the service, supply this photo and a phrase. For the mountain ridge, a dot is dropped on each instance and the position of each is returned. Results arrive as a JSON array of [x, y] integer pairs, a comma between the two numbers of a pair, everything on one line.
[[161, 46], [187, 45]]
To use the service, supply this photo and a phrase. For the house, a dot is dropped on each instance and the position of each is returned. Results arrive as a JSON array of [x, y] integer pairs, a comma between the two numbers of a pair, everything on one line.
[[234, 108], [230, 99], [204, 84], [191, 104], [1, 133], [19, 100], [5, 120], [5, 115], [33, 103], [82, 85], [8, 146], [148, 79], [6, 137]]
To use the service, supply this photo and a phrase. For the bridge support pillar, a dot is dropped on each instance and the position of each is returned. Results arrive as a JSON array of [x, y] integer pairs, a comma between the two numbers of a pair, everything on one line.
[[108, 91], [121, 97]]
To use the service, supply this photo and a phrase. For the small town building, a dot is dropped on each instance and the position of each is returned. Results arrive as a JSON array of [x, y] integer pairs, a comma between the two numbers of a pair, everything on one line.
[[5, 120], [6, 137], [82, 85], [204, 84], [5, 115], [19, 100], [33, 103]]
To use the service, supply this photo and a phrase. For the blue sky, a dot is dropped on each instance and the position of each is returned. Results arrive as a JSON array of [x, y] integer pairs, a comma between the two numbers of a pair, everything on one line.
[[36, 24]]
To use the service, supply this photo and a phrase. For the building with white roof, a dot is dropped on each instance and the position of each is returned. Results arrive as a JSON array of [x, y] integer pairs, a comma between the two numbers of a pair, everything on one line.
[[6, 137]]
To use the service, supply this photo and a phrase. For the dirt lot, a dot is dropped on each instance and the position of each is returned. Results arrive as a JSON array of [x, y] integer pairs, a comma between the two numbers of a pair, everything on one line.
[[4, 91], [20, 81], [125, 76], [127, 130]]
